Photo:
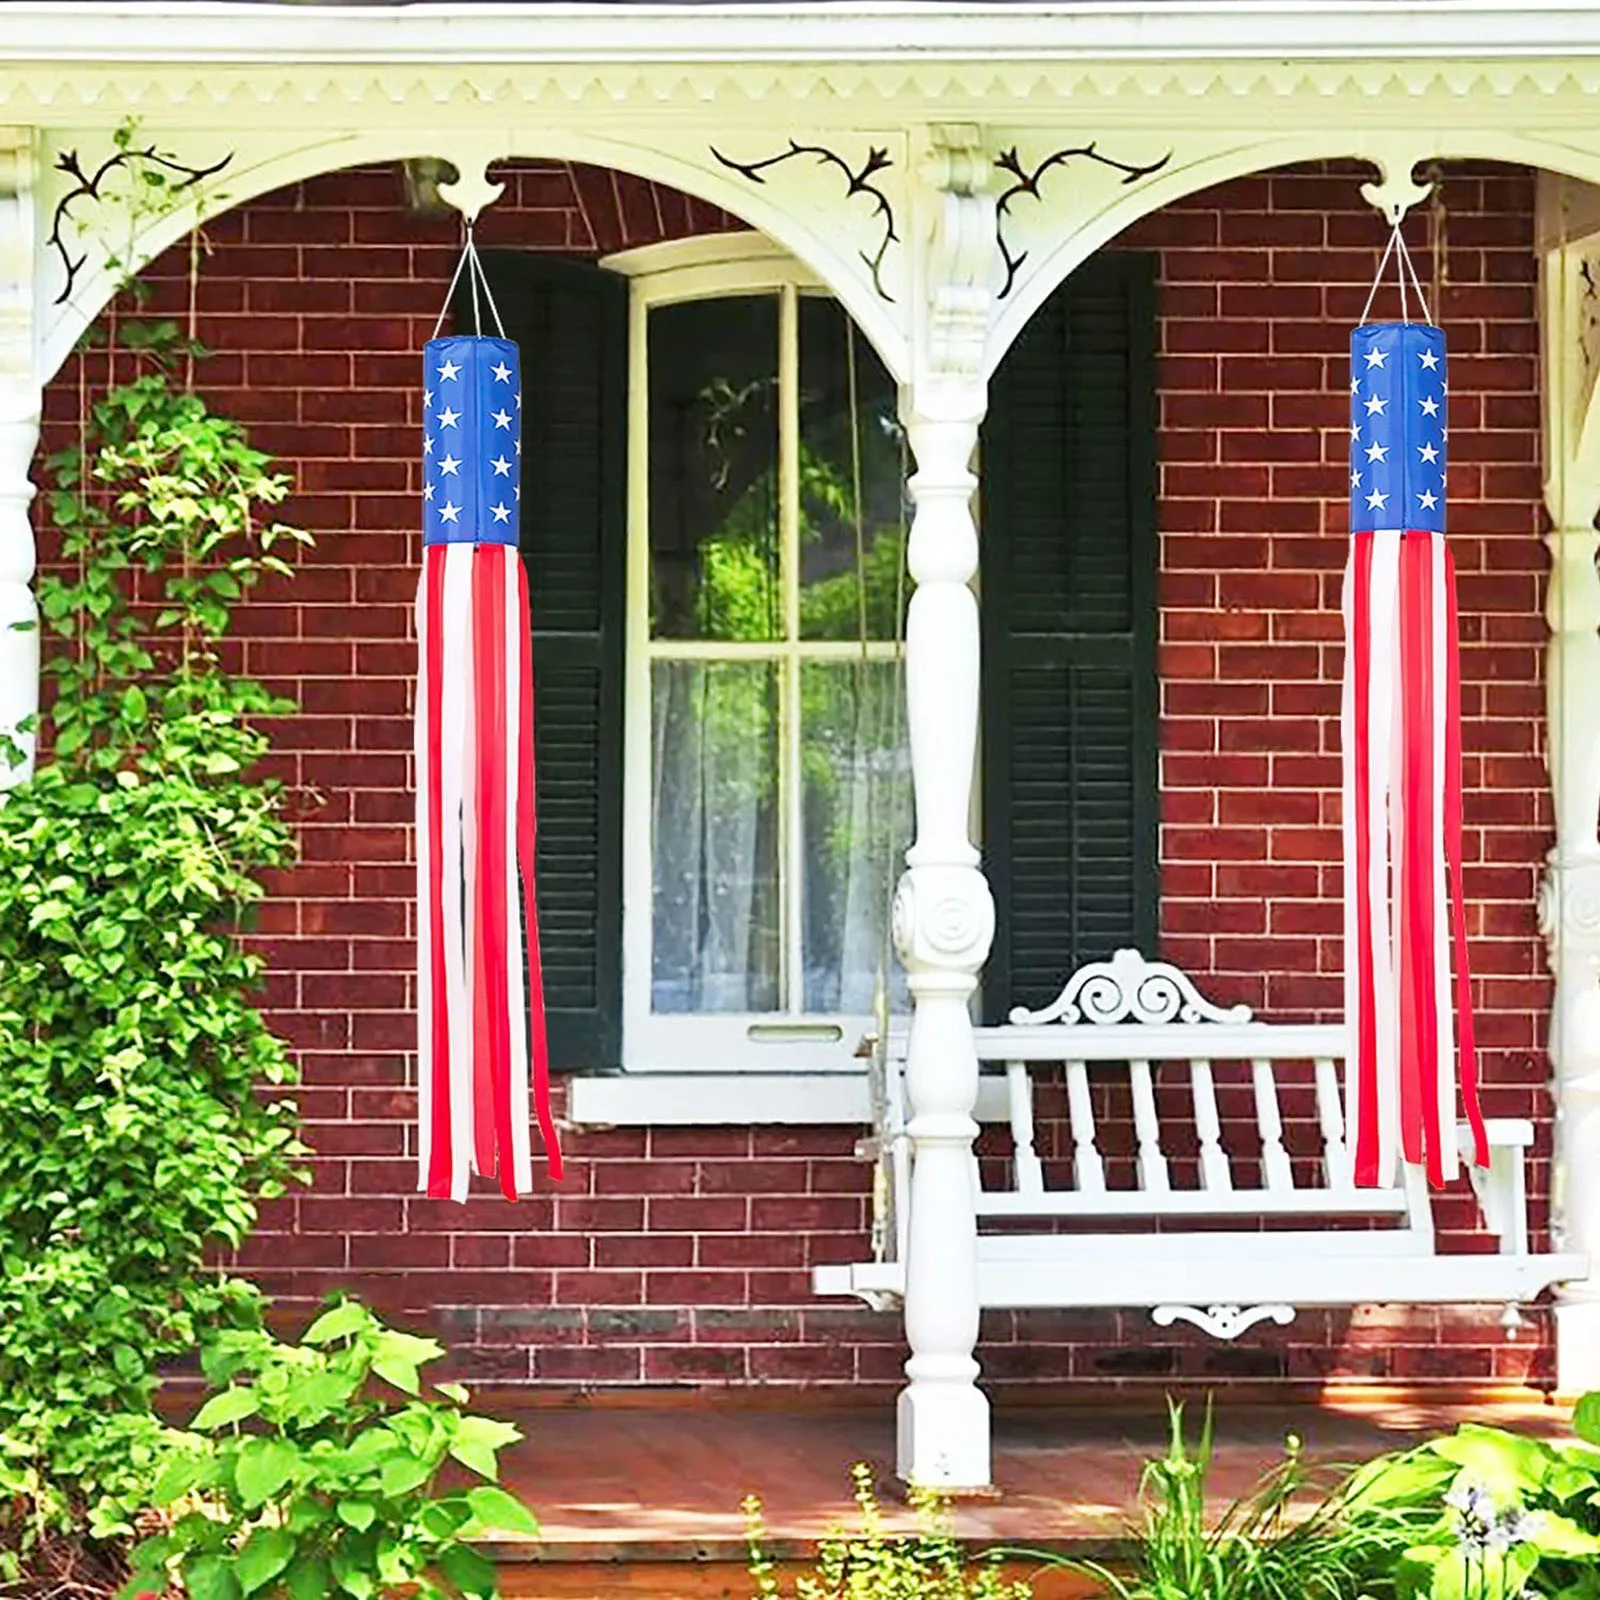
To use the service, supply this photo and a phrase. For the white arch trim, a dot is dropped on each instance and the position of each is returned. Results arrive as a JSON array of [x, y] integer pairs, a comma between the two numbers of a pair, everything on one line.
[[830, 258], [1241, 159]]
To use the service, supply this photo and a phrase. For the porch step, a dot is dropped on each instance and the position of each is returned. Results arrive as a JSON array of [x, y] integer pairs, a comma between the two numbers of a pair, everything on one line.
[[691, 1577]]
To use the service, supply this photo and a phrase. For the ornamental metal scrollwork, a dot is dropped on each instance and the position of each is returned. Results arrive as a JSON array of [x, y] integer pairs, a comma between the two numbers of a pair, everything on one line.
[[857, 182], [1129, 988], [1028, 183], [87, 187]]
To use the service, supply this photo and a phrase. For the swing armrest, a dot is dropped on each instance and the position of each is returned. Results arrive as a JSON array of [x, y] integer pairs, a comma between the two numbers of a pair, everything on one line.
[[1501, 1187]]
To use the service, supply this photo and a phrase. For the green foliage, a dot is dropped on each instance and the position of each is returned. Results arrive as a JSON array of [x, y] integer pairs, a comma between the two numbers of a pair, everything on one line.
[[1491, 1513], [1288, 1538], [133, 1136], [873, 1564], [331, 1487]]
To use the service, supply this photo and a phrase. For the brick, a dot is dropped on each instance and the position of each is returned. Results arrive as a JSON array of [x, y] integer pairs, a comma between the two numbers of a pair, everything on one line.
[[317, 297]]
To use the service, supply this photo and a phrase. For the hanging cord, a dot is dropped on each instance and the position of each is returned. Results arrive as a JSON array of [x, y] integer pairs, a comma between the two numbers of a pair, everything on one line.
[[476, 278], [1403, 268]]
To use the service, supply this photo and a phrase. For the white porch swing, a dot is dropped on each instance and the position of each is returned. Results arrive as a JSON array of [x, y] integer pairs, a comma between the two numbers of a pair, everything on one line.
[[1216, 1219]]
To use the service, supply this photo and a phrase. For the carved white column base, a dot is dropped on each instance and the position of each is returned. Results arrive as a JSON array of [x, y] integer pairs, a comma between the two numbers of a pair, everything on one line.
[[1577, 1341], [942, 1432], [943, 922]]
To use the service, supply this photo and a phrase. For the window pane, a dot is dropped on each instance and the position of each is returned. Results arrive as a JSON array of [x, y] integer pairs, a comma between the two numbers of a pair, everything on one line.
[[715, 841], [714, 568], [856, 798], [846, 439]]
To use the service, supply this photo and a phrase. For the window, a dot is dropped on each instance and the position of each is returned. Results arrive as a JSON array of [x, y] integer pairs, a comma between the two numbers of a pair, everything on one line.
[[696, 418], [767, 774]]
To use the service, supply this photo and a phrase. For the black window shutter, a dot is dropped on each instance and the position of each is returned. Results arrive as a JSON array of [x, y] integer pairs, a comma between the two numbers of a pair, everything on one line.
[[1070, 808], [570, 321]]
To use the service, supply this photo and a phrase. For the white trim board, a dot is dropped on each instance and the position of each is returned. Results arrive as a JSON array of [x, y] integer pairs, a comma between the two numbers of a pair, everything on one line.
[[255, 35], [719, 1099]]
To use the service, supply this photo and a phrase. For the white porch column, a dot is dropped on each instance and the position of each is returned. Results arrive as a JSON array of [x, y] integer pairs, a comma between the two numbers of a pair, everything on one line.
[[944, 916], [1569, 902], [19, 435]]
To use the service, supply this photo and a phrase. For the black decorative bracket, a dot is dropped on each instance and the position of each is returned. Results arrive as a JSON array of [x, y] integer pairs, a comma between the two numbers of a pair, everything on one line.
[[87, 187], [858, 182], [1028, 183]]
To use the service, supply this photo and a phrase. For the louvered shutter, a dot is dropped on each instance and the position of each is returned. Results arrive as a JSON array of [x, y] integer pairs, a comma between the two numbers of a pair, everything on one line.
[[1070, 812], [570, 320]]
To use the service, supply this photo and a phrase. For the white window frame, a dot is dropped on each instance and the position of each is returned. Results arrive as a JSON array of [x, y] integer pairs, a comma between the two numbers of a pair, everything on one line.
[[765, 1044]]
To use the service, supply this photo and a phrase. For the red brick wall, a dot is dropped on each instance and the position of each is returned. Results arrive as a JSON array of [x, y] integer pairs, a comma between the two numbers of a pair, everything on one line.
[[684, 1255]]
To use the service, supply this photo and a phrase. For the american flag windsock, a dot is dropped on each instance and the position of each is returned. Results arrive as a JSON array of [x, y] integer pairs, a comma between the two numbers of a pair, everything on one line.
[[480, 1011], [1401, 728]]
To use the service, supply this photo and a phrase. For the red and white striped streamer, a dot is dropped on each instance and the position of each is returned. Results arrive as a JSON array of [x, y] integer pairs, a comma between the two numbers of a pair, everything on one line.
[[481, 1024], [1404, 910]]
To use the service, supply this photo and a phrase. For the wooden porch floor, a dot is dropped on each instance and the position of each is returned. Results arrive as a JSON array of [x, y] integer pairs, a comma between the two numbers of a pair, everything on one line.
[[646, 1500]]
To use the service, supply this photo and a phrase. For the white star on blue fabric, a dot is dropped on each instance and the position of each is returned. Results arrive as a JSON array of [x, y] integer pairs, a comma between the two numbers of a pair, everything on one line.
[[427, 445], [502, 419], [1355, 386], [1429, 359], [1377, 500], [449, 464], [427, 491], [502, 373], [449, 370], [502, 467], [1355, 480], [1355, 430], [427, 398], [519, 399], [1428, 453], [1376, 405], [1376, 358], [449, 511], [1427, 500], [1377, 452], [1430, 407], [502, 513], [519, 447], [449, 418]]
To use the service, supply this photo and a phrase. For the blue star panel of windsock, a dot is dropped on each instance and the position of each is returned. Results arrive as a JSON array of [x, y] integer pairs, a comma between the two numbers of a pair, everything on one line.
[[1397, 427], [471, 441]]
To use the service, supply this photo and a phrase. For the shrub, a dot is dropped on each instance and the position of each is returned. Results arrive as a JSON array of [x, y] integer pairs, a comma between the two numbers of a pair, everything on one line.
[[1289, 1538], [1491, 1514], [133, 1138], [873, 1564], [304, 1476]]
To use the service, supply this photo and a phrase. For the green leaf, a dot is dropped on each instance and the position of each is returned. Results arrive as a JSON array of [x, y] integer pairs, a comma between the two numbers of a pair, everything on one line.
[[1505, 1463], [454, 1391], [265, 1554], [468, 1571], [402, 1473], [400, 1373], [1556, 1535], [210, 1577], [1490, 1575], [263, 1468], [307, 1578], [338, 1323], [1586, 1418], [177, 1477], [500, 1512], [478, 1439], [232, 1405], [356, 1514]]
